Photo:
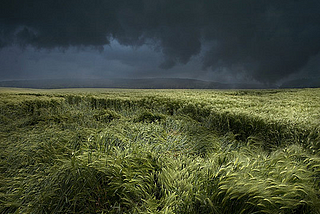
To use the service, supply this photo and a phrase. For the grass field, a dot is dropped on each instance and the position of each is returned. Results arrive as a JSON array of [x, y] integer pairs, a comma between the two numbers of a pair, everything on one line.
[[159, 151]]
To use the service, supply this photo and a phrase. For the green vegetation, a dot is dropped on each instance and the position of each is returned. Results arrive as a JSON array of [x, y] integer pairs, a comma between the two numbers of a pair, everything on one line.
[[159, 151]]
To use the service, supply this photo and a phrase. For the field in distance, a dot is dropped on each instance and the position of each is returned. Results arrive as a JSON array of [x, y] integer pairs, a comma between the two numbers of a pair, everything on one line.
[[159, 151]]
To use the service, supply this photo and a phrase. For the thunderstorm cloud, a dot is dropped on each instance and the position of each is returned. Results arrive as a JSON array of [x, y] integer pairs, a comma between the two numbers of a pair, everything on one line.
[[265, 41]]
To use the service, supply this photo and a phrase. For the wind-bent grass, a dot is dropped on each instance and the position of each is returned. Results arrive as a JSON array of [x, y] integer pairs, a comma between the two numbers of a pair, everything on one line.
[[159, 151]]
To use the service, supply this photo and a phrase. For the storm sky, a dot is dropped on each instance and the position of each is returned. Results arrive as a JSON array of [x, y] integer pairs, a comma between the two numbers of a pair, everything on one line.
[[264, 41]]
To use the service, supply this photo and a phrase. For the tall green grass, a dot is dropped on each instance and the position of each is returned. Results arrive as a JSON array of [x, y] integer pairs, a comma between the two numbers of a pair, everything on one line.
[[159, 151]]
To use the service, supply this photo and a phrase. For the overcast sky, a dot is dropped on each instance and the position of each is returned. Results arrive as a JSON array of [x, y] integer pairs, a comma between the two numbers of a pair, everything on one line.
[[265, 41]]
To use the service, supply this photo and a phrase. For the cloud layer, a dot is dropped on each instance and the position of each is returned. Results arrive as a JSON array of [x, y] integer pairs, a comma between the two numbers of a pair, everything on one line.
[[265, 40]]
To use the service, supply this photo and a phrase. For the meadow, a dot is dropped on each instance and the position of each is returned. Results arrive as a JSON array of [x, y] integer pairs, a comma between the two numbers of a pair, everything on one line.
[[159, 151]]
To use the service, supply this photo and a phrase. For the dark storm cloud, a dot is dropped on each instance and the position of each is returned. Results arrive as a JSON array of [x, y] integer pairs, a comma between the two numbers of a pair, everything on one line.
[[270, 40], [267, 40]]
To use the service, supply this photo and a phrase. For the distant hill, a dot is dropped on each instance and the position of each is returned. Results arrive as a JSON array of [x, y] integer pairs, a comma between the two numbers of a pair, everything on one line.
[[302, 83], [152, 83]]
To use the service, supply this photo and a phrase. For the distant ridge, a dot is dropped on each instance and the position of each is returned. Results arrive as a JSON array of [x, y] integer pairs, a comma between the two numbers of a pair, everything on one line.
[[152, 83]]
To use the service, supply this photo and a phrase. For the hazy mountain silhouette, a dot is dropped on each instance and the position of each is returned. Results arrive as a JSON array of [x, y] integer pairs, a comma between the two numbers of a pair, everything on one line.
[[152, 83]]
